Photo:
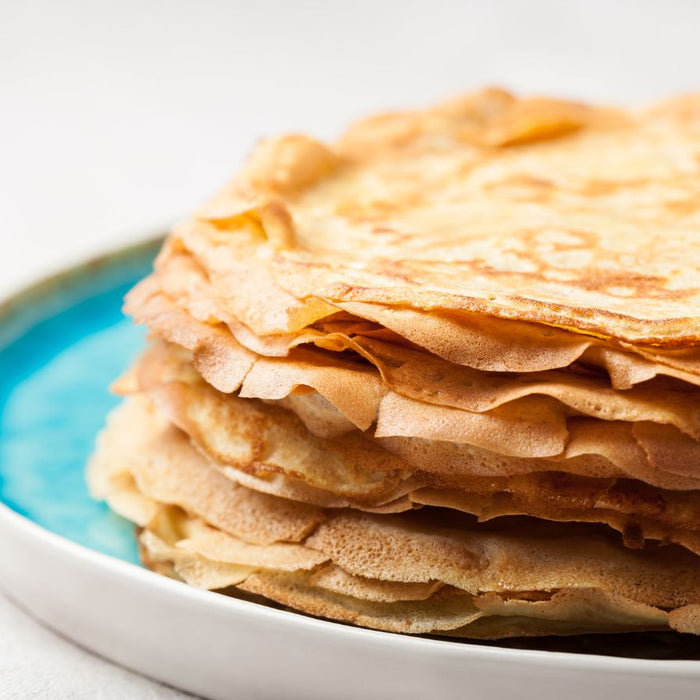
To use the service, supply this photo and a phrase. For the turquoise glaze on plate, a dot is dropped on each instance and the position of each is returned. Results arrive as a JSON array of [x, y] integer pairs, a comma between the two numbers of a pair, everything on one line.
[[62, 343]]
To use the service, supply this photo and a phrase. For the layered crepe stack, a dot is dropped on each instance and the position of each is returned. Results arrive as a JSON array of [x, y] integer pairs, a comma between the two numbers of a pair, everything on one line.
[[441, 377]]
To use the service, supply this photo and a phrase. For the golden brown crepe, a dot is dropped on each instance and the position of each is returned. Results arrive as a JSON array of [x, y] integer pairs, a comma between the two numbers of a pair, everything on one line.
[[477, 341], [584, 230], [591, 447], [442, 375], [398, 573], [267, 449]]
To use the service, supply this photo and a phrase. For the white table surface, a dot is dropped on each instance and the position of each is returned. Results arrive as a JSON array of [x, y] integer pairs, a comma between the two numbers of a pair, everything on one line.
[[117, 118]]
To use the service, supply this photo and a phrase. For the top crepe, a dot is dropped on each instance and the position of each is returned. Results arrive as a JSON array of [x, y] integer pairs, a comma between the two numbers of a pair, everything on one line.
[[528, 209]]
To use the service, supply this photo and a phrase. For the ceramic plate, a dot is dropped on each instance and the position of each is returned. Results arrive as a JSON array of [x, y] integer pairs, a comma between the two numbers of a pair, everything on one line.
[[73, 564]]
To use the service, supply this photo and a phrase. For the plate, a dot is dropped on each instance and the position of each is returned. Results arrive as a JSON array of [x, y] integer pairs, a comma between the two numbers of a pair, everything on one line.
[[72, 563]]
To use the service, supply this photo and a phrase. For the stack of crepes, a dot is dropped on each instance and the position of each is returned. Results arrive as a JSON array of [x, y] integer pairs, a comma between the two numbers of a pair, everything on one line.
[[440, 377]]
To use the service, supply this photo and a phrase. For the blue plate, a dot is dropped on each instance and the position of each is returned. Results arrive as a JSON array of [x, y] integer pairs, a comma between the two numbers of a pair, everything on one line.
[[62, 343]]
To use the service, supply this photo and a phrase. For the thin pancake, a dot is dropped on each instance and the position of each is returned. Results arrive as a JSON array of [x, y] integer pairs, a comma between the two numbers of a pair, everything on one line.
[[580, 230]]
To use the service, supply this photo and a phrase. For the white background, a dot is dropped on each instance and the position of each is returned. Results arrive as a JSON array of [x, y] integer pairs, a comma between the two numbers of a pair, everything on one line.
[[117, 118]]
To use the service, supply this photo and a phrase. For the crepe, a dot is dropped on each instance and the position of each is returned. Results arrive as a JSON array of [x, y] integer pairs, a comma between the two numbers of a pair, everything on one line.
[[369, 567], [441, 376], [266, 449], [552, 233], [589, 447], [477, 341]]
